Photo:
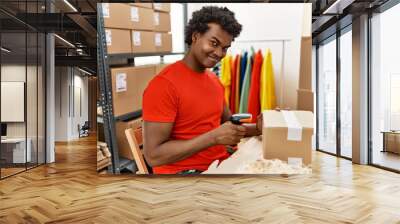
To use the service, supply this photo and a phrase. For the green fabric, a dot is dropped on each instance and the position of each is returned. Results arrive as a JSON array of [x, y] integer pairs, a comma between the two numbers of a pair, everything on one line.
[[244, 98]]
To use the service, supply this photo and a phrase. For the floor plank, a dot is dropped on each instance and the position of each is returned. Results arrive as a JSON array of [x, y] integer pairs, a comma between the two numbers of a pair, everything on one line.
[[71, 191]]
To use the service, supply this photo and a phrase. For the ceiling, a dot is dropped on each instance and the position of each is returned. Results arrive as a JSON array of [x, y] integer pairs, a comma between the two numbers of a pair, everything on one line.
[[75, 21], [72, 20]]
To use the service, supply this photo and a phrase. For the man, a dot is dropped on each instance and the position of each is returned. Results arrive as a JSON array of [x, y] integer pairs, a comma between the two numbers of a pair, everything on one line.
[[184, 105]]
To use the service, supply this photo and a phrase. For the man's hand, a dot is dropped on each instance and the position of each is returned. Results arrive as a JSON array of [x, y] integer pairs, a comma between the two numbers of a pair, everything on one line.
[[259, 123], [228, 134]]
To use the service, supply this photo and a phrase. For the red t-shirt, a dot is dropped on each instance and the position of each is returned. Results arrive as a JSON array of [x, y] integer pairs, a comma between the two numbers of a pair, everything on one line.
[[194, 103]]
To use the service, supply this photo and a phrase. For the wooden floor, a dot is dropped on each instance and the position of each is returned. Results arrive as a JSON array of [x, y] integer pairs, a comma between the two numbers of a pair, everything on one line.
[[70, 191], [387, 159]]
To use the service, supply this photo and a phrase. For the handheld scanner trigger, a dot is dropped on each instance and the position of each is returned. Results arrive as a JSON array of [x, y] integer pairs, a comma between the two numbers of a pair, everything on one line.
[[241, 118]]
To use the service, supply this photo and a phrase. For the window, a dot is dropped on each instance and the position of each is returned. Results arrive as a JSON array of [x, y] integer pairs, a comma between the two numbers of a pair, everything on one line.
[[346, 93], [327, 96], [385, 89]]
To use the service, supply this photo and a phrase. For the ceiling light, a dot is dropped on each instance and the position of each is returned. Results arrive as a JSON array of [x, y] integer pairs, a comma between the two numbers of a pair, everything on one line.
[[5, 50], [70, 5], [65, 41], [86, 72]]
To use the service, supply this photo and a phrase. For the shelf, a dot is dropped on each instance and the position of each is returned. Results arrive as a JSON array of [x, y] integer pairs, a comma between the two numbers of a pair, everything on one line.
[[133, 55], [100, 119], [129, 116]]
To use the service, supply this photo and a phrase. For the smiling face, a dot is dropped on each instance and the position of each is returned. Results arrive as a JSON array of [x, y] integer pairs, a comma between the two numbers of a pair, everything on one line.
[[210, 47]]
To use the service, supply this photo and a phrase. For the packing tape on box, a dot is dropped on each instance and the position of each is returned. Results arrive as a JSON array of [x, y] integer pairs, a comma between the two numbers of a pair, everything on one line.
[[294, 128]]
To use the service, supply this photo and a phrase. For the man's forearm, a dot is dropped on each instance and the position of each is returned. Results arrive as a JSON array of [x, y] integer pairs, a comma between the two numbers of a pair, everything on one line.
[[251, 130], [176, 150]]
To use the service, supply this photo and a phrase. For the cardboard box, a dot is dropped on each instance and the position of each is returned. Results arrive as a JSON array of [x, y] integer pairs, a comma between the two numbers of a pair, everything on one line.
[[287, 135], [305, 100], [162, 21], [122, 142], [116, 15], [141, 18], [142, 41], [125, 16], [163, 42], [143, 5], [305, 79], [118, 41], [128, 84], [162, 7]]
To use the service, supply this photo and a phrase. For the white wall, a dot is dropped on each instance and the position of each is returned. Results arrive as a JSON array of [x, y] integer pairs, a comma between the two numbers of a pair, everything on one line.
[[68, 83], [262, 22]]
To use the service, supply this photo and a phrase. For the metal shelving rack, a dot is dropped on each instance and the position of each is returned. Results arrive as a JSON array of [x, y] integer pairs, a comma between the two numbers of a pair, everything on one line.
[[104, 61]]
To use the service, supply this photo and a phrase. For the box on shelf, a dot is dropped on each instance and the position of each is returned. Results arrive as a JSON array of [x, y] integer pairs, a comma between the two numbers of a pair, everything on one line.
[[116, 15], [305, 100], [163, 42], [141, 18], [118, 41], [162, 21], [142, 42], [287, 135], [125, 16], [162, 7], [128, 84], [143, 5]]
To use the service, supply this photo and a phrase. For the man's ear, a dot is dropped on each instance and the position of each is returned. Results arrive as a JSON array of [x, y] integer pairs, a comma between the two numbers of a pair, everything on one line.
[[195, 36]]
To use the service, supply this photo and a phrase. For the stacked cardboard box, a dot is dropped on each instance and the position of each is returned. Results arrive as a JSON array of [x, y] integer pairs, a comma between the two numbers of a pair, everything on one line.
[[162, 27], [137, 27], [117, 25]]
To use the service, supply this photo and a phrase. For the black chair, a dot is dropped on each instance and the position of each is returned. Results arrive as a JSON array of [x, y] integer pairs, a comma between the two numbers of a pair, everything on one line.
[[84, 130]]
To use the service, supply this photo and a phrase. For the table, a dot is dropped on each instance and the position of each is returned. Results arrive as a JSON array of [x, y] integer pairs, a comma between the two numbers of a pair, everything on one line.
[[391, 141], [13, 150], [250, 152]]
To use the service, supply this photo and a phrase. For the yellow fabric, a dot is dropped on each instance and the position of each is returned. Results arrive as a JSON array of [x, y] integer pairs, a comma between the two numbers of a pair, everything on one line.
[[267, 85], [226, 76]]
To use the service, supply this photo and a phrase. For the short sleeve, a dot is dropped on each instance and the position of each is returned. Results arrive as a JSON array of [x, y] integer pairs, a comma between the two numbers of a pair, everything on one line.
[[160, 101]]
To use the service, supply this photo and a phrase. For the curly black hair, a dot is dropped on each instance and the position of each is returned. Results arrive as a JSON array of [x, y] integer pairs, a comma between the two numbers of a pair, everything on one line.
[[212, 14]]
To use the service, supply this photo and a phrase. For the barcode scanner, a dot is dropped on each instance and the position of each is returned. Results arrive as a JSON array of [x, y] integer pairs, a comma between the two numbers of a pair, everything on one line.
[[241, 118]]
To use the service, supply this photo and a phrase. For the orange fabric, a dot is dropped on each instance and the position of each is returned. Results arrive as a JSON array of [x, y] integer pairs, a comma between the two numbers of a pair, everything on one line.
[[254, 92], [194, 103], [237, 93]]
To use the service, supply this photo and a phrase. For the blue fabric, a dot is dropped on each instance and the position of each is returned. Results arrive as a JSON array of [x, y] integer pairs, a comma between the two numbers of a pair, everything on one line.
[[243, 63]]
